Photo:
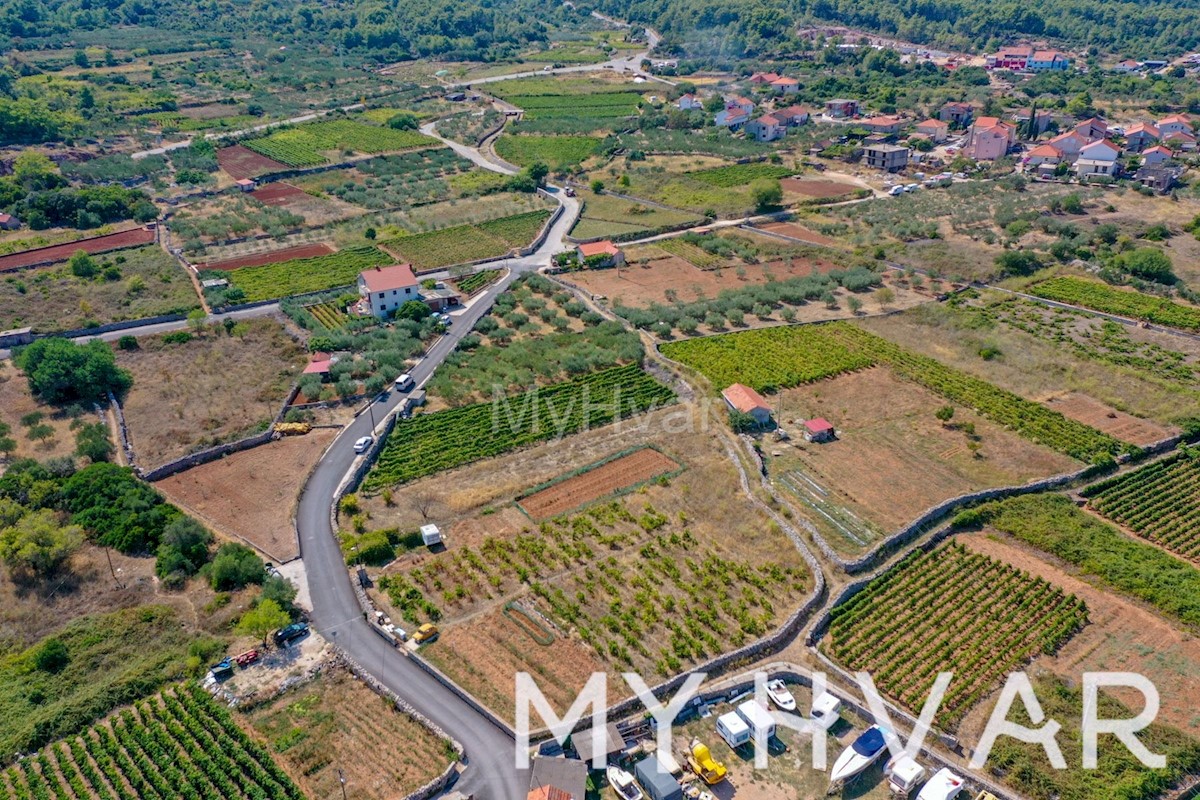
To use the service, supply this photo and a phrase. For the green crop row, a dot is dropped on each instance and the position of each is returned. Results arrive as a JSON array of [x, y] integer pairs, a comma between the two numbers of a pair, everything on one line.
[[477, 280], [733, 175], [464, 243], [305, 146], [431, 443], [552, 150], [304, 275], [1160, 502], [1104, 298]]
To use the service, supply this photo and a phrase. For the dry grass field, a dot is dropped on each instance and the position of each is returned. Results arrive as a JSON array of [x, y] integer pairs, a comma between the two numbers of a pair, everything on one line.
[[893, 458], [251, 495], [335, 723], [214, 388], [16, 402]]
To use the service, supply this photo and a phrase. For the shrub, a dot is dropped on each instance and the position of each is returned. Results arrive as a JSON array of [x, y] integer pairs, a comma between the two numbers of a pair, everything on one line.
[[235, 566]]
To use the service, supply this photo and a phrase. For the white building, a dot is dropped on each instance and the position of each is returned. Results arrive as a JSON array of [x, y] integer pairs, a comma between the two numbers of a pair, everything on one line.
[[388, 288]]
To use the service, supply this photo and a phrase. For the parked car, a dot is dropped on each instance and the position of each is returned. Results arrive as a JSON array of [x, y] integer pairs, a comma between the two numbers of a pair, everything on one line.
[[895, 191], [364, 444], [290, 633], [425, 633], [404, 382], [246, 659]]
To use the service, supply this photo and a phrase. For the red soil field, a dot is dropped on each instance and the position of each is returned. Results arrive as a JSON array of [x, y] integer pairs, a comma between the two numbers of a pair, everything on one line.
[[794, 231], [601, 481], [816, 188], [242, 162], [61, 252], [277, 194], [273, 257]]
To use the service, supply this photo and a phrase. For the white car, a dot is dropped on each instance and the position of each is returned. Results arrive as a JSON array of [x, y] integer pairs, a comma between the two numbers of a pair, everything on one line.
[[895, 191], [364, 444], [404, 382], [912, 187]]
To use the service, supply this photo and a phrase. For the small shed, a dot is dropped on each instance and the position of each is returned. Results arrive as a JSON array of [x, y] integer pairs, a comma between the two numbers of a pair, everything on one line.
[[431, 535], [440, 298], [246, 184], [819, 429], [9, 223], [614, 743], [742, 398], [656, 781], [16, 336]]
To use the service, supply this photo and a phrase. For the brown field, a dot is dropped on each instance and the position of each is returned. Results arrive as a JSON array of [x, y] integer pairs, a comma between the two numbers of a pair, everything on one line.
[[893, 459], [242, 162], [606, 479], [272, 257], [337, 724], [1123, 636], [16, 402], [61, 252], [1123, 426], [251, 495], [795, 231], [213, 389], [816, 188], [277, 194]]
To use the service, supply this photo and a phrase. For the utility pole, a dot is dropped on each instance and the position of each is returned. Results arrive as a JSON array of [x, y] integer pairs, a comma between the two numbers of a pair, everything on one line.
[[108, 555], [342, 781]]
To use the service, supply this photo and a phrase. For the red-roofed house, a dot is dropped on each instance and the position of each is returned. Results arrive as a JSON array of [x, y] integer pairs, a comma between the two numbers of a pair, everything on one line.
[[549, 793], [1047, 60], [1141, 135], [1014, 57], [934, 129], [767, 128], [839, 108], [1181, 139], [786, 85], [388, 288], [739, 104], [1153, 156], [1128, 65], [740, 397], [689, 102], [604, 247], [819, 429], [882, 124], [990, 138], [764, 78], [1044, 154], [246, 184], [1093, 129], [793, 115], [9, 223], [318, 364], [1097, 158], [1174, 124], [957, 113], [1069, 143]]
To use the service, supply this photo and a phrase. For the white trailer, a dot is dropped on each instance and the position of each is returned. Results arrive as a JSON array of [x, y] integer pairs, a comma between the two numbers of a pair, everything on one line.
[[733, 729], [758, 718], [430, 535]]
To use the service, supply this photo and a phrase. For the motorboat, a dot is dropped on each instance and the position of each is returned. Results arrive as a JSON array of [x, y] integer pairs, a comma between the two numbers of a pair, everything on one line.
[[778, 692], [944, 785], [862, 753], [623, 783]]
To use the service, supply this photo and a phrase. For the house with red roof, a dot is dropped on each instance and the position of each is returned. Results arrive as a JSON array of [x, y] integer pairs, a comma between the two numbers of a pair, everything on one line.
[[246, 184], [886, 124], [1044, 154], [1098, 158], [1047, 61], [957, 113], [819, 429], [1175, 123], [1092, 129], [385, 289], [840, 108], [792, 116], [9, 223], [990, 138], [742, 398], [785, 85], [767, 128], [764, 78], [612, 255], [1153, 156], [1141, 135], [1128, 65], [689, 102], [1069, 143], [1183, 140], [736, 102], [1014, 57], [318, 364], [934, 129]]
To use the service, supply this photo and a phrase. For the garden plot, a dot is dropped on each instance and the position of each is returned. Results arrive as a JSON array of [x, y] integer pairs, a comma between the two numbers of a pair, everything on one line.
[[815, 188], [1115, 423], [270, 257], [607, 216], [418, 177], [304, 275], [240, 162], [277, 194], [466, 243], [311, 145], [230, 386], [1160, 502], [93, 245], [618, 474]]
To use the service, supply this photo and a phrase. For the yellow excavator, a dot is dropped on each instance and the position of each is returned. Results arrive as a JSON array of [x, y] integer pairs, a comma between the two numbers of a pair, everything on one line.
[[703, 764]]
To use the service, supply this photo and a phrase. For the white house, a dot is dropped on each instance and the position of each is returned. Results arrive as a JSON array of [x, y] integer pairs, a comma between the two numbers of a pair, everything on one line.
[[1097, 158], [740, 397], [1176, 123], [1153, 156], [388, 288], [689, 102], [767, 128]]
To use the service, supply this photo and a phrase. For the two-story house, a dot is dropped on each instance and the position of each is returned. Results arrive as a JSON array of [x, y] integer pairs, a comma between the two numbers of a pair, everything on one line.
[[767, 128], [387, 288]]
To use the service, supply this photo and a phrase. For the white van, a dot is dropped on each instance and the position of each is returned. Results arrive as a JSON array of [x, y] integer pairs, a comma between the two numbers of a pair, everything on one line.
[[758, 718], [404, 382], [733, 729]]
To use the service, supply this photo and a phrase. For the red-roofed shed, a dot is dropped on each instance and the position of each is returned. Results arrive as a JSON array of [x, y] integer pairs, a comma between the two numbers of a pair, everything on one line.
[[819, 429]]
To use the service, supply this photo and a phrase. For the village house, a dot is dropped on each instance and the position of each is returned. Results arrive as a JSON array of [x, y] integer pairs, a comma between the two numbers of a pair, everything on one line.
[[885, 157], [990, 138], [1128, 65], [1097, 158], [785, 85], [1176, 123], [1159, 177], [1044, 154], [319, 364], [819, 429], [1141, 135], [792, 116], [246, 185], [764, 78], [886, 124], [767, 128], [934, 129], [689, 102], [1069, 144], [604, 247], [840, 108], [1153, 156], [957, 114], [1014, 57], [1041, 123], [387, 288], [1182, 140], [1092, 129], [738, 103], [747, 401], [732, 119], [1047, 60], [9, 223]]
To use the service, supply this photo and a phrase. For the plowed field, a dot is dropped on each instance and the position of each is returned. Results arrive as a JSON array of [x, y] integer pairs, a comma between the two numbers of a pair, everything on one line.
[[61, 252], [816, 188], [242, 162], [277, 194], [601, 481], [273, 257]]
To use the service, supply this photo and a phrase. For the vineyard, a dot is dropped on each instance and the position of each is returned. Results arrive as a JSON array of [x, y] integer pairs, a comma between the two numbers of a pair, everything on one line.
[[950, 610], [1032, 420], [598, 105], [472, 283], [767, 359], [698, 257], [733, 175], [331, 315], [1160, 502], [464, 243], [180, 744], [1104, 298], [552, 150], [388, 181], [430, 443], [303, 275], [305, 145]]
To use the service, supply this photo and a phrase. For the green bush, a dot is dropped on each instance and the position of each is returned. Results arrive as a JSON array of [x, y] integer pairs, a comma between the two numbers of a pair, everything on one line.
[[235, 566]]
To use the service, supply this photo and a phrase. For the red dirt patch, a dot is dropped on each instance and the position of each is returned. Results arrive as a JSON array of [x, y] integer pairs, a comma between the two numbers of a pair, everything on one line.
[[242, 162], [1123, 426], [61, 252], [277, 194], [820, 189], [273, 257], [620, 473], [794, 231]]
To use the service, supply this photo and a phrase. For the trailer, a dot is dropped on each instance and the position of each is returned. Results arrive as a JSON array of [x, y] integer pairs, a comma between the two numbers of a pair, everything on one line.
[[733, 729], [758, 718]]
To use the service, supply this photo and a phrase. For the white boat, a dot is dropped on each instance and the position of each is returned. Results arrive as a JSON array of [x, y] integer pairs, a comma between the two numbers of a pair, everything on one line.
[[778, 692], [944, 785], [623, 783], [864, 752]]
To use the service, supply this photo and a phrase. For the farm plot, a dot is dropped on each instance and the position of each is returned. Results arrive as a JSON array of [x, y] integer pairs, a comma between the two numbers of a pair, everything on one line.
[[306, 145], [555, 151], [178, 744], [1160, 502], [517, 230], [698, 257], [472, 283], [431, 443], [1117, 424], [465, 243], [818, 189], [240, 162], [1126, 303], [331, 315], [420, 176], [767, 359], [92, 245], [618, 473], [303, 275], [794, 231], [272, 257], [277, 194], [599, 106], [950, 610], [732, 175], [607, 216]]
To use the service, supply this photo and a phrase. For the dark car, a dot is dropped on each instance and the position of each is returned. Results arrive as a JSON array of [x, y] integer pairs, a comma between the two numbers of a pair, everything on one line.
[[290, 633]]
